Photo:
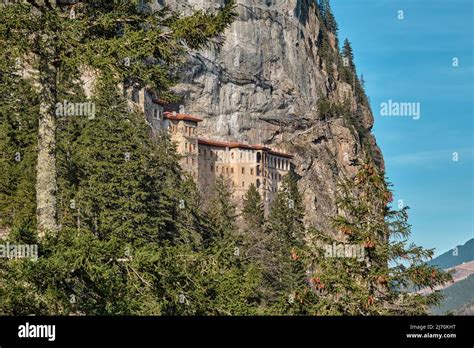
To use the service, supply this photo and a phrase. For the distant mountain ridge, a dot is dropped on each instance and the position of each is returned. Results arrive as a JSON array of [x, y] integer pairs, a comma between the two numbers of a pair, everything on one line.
[[459, 296], [455, 256]]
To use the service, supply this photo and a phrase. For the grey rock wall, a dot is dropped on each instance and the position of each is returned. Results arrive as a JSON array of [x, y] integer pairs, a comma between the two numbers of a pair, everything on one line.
[[262, 86]]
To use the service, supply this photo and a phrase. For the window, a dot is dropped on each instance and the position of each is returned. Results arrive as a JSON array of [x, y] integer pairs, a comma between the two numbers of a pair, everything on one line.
[[243, 184], [243, 170], [257, 183], [212, 168], [217, 169], [251, 171], [227, 170], [231, 170], [205, 153]]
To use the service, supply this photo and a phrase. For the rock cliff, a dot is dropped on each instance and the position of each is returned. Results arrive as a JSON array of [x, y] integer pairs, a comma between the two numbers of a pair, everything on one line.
[[263, 86]]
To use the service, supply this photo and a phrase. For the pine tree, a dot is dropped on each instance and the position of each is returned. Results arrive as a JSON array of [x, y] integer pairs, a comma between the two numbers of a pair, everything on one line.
[[372, 276], [328, 17], [222, 212], [18, 129], [289, 291], [253, 212], [287, 211], [348, 54], [327, 42], [349, 74]]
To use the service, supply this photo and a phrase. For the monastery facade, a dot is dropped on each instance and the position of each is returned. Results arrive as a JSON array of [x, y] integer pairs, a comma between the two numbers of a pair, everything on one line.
[[206, 159]]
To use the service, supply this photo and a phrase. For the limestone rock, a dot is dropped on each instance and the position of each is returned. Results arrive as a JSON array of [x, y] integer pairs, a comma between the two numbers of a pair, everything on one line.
[[263, 85]]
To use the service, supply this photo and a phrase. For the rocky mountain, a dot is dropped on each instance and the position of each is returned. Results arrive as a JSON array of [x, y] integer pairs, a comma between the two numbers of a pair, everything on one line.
[[266, 84]]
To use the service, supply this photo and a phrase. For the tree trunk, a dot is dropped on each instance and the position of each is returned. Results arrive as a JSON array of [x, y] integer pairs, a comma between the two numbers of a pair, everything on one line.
[[46, 175]]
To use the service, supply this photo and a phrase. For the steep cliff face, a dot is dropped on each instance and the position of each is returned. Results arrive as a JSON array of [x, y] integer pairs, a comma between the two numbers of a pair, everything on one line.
[[263, 86]]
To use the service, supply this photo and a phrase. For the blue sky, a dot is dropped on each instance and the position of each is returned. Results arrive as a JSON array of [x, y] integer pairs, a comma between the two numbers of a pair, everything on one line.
[[411, 60]]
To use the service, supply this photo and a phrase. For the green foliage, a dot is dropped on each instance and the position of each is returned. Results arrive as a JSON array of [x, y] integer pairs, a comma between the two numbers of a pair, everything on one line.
[[327, 16], [18, 127], [222, 211], [80, 274], [348, 74], [288, 287], [377, 283], [253, 212], [327, 41], [328, 110]]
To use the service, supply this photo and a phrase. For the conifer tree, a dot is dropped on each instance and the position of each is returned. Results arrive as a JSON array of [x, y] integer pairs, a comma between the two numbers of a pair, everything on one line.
[[327, 42], [18, 129], [374, 275], [348, 54], [253, 212], [328, 17], [290, 292], [222, 212]]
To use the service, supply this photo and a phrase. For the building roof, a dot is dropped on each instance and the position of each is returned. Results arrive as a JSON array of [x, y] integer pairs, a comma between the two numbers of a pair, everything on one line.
[[181, 117], [233, 145]]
